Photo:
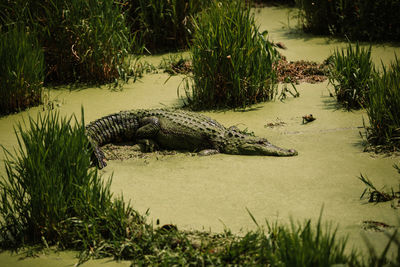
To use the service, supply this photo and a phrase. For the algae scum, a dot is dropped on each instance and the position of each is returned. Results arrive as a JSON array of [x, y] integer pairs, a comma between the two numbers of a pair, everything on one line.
[[212, 192]]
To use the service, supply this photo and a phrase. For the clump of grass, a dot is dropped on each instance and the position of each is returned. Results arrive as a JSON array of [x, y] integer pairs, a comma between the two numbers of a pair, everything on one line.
[[50, 196], [375, 195], [383, 132], [232, 62], [164, 25], [291, 246], [21, 70], [350, 73], [176, 64], [84, 41]]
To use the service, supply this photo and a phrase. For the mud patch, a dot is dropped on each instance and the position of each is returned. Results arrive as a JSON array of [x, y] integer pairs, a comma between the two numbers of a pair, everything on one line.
[[294, 71], [180, 66], [124, 151], [278, 122], [375, 226], [301, 71]]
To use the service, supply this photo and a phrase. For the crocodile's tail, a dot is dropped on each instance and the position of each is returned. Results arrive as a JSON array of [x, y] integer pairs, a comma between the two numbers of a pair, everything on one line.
[[117, 127]]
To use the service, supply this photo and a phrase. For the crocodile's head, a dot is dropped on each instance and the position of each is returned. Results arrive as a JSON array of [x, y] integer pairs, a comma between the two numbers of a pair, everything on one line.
[[244, 144], [264, 148]]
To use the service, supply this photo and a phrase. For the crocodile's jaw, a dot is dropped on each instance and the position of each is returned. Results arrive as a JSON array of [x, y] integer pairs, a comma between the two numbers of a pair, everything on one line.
[[263, 149]]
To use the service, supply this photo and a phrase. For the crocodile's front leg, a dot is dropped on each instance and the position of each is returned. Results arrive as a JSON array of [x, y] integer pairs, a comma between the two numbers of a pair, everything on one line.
[[147, 145]]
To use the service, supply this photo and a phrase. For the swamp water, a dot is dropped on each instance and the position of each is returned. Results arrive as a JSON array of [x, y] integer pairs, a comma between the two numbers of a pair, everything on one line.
[[213, 192]]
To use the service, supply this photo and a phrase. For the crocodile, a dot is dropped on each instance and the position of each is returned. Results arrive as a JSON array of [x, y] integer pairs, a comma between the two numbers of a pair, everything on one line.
[[177, 130]]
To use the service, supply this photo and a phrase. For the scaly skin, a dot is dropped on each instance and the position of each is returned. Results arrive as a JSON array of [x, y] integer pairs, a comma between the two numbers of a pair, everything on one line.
[[176, 129]]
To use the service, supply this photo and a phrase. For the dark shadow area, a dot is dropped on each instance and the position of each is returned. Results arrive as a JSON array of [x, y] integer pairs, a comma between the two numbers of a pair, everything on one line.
[[272, 4], [247, 109], [75, 86], [216, 109], [296, 33], [330, 103]]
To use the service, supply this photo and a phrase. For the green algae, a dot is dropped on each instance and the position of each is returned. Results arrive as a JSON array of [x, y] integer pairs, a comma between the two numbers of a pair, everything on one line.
[[211, 192]]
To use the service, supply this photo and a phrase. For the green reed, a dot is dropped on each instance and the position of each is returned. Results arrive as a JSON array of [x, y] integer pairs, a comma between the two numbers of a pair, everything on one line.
[[21, 71], [51, 196], [383, 111], [164, 25], [85, 41], [232, 62], [350, 72], [294, 245]]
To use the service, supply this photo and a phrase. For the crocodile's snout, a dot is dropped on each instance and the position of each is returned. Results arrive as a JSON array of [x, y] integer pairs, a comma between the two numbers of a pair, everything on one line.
[[282, 152], [266, 149], [293, 152]]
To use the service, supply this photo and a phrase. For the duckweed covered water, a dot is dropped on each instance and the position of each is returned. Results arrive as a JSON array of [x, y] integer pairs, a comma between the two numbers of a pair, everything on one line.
[[213, 192]]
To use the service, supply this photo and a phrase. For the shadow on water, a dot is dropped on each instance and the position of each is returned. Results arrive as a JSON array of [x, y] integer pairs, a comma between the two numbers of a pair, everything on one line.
[[223, 110], [330, 103], [248, 109], [361, 142], [294, 33], [75, 86]]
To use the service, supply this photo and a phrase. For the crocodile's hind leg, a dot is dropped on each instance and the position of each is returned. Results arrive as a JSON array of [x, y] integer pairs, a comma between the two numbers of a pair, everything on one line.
[[150, 126]]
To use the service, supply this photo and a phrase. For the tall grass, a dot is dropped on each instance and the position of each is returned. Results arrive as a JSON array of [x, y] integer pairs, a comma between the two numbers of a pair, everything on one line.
[[302, 244], [350, 73], [355, 19], [383, 110], [164, 25], [49, 195], [21, 70], [86, 41], [295, 245], [232, 62]]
